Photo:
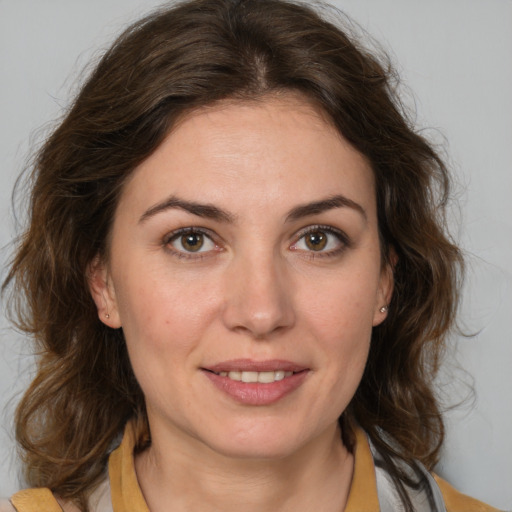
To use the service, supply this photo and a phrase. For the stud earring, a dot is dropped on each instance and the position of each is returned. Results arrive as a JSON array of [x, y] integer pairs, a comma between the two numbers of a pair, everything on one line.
[[107, 316], [383, 309]]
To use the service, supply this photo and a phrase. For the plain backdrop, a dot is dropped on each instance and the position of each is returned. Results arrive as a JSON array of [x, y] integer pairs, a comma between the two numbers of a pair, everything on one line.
[[455, 60]]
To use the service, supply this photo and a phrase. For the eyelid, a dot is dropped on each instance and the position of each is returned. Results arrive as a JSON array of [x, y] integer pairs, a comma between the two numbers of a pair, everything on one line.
[[169, 237], [344, 239]]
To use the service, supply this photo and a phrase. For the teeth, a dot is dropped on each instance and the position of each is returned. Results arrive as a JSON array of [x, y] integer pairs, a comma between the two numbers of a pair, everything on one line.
[[249, 376], [266, 377], [279, 375], [261, 377]]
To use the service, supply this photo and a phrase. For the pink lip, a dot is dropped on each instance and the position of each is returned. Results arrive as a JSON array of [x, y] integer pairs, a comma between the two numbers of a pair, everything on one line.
[[256, 393]]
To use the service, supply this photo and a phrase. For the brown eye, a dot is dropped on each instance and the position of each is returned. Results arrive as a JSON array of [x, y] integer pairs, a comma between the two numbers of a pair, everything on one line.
[[316, 240], [192, 242], [323, 240]]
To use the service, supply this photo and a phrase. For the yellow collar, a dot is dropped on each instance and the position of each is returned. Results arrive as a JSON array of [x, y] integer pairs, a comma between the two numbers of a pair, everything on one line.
[[127, 495], [124, 487]]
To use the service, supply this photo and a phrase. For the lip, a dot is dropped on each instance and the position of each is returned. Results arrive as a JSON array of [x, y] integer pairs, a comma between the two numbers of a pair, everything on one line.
[[248, 365], [255, 393]]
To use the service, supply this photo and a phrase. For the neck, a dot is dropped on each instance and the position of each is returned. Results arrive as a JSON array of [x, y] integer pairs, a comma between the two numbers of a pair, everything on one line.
[[315, 477]]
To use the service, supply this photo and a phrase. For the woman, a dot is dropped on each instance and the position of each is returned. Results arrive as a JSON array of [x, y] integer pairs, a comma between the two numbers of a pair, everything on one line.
[[236, 256]]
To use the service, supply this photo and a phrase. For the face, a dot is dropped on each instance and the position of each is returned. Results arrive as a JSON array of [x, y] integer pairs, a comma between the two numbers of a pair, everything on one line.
[[245, 271]]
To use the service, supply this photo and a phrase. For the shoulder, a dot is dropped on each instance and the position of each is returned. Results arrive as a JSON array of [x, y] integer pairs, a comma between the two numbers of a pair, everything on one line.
[[33, 500], [37, 499], [5, 506], [458, 502]]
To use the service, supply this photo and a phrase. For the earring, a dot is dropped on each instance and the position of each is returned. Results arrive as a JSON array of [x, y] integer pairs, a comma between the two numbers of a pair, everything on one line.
[[383, 309], [107, 316]]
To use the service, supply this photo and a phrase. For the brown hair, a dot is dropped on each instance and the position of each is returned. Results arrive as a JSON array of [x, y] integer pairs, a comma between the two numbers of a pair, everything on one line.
[[175, 60]]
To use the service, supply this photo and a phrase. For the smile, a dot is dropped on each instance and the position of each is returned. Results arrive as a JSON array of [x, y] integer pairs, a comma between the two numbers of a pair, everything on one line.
[[257, 382], [261, 377]]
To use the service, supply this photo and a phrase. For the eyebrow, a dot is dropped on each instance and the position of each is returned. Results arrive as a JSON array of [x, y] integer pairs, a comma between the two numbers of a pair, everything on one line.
[[215, 213], [338, 201], [201, 210]]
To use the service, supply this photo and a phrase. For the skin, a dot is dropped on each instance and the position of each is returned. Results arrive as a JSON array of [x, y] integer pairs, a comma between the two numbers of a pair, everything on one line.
[[255, 290]]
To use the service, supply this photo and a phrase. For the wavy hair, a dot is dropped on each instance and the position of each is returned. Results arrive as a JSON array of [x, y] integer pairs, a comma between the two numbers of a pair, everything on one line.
[[175, 60]]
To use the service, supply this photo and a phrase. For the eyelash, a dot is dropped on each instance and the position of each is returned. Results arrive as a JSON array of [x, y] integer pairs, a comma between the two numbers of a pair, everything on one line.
[[174, 235], [342, 238]]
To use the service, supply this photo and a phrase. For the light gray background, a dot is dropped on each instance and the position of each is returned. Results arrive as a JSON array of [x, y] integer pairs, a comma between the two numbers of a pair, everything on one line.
[[456, 57]]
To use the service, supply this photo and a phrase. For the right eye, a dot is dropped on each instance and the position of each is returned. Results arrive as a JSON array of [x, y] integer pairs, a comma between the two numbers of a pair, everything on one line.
[[190, 241]]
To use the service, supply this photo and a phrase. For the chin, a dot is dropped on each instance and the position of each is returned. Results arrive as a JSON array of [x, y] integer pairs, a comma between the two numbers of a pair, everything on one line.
[[258, 440], [257, 449]]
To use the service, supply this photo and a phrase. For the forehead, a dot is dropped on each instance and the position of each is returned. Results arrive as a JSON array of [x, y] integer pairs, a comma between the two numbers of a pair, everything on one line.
[[259, 154]]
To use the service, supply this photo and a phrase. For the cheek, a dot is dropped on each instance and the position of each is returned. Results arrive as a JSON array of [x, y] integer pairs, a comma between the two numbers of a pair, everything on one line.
[[347, 348], [343, 304], [164, 318], [162, 326], [341, 321]]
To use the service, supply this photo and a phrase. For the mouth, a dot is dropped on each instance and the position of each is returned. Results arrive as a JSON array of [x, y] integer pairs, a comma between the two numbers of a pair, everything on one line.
[[256, 382], [267, 377], [247, 370]]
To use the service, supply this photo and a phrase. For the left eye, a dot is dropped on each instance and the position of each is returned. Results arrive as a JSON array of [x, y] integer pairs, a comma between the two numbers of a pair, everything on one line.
[[319, 240], [192, 241]]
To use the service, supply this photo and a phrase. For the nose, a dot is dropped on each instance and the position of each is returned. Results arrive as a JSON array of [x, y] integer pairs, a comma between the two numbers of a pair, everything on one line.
[[258, 296]]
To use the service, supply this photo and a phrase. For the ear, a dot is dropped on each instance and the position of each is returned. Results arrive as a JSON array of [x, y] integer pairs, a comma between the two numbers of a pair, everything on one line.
[[385, 290], [103, 292]]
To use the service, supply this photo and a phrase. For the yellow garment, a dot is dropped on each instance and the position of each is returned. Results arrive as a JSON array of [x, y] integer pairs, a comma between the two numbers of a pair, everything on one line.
[[127, 496], [363, 490], [124, 488], [35, 500], [457, 502]]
